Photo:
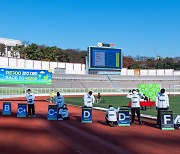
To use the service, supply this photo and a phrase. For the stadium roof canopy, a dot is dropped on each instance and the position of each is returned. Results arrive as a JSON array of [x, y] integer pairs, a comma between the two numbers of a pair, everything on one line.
[[10, 42]]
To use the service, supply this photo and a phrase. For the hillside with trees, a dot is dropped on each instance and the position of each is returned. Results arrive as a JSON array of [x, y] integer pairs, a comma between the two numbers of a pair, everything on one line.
[[152, 63], [42, 52], [45, 53]]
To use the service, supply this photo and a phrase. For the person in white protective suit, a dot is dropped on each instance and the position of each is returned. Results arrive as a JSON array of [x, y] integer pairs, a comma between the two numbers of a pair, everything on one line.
[[135, 105], [63, 113], [177, 122], [111, 116], [30, 97], [162, 103], [59, 100], [89, 99]]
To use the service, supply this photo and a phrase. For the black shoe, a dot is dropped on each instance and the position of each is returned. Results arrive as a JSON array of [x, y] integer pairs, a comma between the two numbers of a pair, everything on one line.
[[140, 123], [157, 126], [111, 124], [132, 123]]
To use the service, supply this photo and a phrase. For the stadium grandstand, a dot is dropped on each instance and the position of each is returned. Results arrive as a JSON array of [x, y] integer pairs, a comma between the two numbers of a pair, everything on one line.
[[75, 79], [118, 82]]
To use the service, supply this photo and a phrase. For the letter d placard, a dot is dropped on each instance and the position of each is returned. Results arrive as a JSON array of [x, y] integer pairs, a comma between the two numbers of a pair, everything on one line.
[[123, 117], [22, 110], [6, 108], [167, 120], [86, 115]]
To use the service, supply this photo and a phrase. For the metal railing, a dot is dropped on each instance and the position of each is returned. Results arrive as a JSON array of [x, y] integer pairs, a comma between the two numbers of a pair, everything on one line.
[[22, 90]]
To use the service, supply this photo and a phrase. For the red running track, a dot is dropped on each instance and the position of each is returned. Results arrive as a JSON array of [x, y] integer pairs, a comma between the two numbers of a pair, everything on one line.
[[38, 135]]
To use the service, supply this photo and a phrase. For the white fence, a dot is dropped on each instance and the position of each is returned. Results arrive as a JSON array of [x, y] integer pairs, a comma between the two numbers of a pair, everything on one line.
[[11, 91], [75, 68], [149, 72], [70, 68]]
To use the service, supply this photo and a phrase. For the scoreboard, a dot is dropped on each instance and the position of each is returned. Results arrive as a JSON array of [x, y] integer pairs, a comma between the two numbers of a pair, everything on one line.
[[103, 58]]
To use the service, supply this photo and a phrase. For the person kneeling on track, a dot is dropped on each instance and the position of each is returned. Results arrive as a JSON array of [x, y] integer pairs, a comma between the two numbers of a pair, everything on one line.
[[63, 113], [111, 116], [177, 122], [59, 100]]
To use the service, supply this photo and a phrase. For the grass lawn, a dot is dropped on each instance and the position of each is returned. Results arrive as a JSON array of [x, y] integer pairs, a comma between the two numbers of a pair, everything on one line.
[[120, 101]]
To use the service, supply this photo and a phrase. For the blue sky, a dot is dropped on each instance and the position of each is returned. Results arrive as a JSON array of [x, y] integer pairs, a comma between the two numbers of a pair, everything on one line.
[[139, 27]]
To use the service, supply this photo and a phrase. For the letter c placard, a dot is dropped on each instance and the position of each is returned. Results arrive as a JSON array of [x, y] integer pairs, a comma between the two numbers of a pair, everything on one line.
[[52, 112], [22, 110]]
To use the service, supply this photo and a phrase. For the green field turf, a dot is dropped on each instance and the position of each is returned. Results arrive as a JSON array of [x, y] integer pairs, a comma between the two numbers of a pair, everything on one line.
[[120, 101]]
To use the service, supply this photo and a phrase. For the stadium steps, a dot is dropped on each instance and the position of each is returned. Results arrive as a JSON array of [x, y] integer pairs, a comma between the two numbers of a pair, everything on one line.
[[113, 85]]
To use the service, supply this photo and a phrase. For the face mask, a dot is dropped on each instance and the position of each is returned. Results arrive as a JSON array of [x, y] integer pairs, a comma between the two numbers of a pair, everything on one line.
[[134, 92]]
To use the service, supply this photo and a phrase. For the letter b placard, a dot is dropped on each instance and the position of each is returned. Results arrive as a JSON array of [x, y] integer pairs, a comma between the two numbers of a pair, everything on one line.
[[6, 108]]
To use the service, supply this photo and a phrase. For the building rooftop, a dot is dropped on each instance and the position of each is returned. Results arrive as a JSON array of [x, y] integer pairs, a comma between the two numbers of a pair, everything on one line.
[[10, 42]]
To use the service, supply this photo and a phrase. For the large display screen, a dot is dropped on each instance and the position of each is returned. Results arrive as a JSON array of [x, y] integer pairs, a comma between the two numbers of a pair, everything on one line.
[[25, 76], [105, 58]]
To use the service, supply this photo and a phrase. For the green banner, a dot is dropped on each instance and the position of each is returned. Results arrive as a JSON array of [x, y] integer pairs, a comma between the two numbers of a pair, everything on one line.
[[25, 76], [150, 90]]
